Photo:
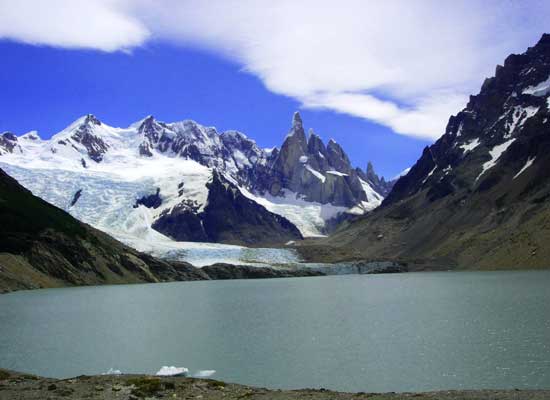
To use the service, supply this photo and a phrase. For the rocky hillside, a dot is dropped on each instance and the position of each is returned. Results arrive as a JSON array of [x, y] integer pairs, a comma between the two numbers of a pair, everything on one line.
[[42, 246], [479, 197], [155, 182]]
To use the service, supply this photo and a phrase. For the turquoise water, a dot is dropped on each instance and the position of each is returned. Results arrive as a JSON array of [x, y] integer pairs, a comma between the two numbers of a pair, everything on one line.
[[398, 332]]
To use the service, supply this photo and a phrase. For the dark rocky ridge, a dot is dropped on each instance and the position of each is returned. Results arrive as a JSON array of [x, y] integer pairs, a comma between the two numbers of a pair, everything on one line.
[[451, 210], [229, 217]]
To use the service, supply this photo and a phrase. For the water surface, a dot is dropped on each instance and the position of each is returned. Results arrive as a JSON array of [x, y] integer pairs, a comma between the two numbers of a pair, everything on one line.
[[399, 332]]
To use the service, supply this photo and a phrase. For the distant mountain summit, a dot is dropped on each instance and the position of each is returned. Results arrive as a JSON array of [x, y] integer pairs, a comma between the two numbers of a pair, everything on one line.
[[319, 173], [480, 195], [156, 181]]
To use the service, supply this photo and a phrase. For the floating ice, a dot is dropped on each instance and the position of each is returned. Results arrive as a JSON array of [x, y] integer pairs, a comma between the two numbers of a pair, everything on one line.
[[205, 373], [172, 371], [112, 372]]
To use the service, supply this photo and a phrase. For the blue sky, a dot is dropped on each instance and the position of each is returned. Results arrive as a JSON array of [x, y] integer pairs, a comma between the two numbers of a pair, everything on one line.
[[382, 93]]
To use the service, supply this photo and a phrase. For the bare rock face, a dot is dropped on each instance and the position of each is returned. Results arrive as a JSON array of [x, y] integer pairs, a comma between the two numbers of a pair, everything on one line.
[[229, 217], [150, 201], [378, 183], [317, 172]]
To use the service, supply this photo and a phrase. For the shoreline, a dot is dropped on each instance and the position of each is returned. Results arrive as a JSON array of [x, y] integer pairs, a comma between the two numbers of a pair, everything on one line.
[[21, 386], [286, 274]]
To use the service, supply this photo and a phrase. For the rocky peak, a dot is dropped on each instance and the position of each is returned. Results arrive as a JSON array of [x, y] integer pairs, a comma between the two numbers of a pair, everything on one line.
[[317, 172], [84, 133], [294, 149], [8, 142], [371, 174], [32, 135], [152, 131], [9, 136], [91, 119], [498, 132], [297, 133], [378, 183], [315, 144], [337, 158], [148, 127], [244, 151], [297, 121]]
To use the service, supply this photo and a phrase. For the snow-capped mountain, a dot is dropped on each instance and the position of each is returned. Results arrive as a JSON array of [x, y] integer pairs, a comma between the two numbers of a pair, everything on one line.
[[479, 196], [156, 181]]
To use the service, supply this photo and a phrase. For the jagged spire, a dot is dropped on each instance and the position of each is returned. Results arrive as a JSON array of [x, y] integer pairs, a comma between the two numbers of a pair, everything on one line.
[[370, 168], [297, 121]]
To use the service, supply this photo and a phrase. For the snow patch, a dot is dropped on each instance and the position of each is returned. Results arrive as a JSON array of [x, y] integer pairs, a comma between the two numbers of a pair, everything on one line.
[[519, 116], [540, 89], [303, 159], [309, 217], [472, 144], [316, 173], [402, 173], [374, 199], [495, 154], [429, 174], [337, 173], [529, 162], [459, 130]]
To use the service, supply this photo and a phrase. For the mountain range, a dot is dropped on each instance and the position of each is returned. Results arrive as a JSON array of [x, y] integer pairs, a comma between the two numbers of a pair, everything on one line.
[[476, 198], [43, 246], [479, 197], [156, 181]]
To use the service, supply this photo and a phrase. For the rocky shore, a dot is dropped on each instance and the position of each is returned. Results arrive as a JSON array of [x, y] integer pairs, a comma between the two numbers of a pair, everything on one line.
[[19, 386]]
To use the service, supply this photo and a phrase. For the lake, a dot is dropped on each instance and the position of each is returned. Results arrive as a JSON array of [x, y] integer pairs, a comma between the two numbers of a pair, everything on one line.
[[398, 332]]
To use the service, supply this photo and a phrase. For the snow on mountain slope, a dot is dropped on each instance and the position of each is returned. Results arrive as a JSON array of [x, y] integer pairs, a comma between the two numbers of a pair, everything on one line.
[[101, 174], [309, 217]]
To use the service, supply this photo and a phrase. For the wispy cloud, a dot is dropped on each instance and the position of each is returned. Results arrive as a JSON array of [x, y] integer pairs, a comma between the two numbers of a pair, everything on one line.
[[105, 25], [407, 65]]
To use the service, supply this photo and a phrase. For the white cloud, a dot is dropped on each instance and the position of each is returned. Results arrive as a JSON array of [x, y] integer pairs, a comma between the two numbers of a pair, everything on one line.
[[407, 65], [95, 24]]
